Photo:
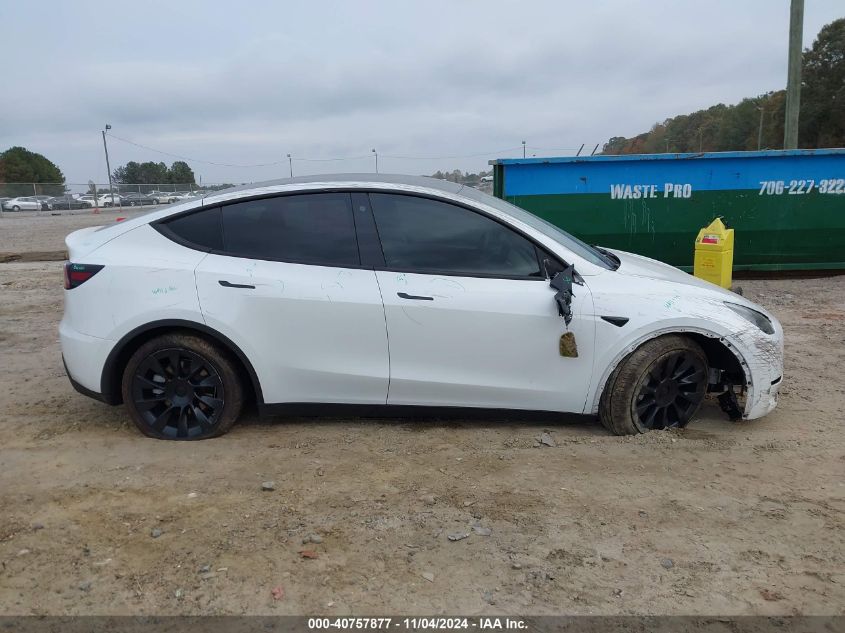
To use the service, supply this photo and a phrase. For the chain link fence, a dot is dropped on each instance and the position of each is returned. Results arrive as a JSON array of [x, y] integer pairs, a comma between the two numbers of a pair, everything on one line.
[[70, 197]]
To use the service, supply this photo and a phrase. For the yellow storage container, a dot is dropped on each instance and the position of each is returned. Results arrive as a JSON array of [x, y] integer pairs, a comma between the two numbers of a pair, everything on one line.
[[714, 254]]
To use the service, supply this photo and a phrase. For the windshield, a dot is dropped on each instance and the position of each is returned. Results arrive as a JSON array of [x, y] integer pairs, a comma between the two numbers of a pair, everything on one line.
[[582, 249]]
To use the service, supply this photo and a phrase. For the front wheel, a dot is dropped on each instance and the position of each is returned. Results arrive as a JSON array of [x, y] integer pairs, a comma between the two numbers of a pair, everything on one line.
[[181, 387], [660, 385]]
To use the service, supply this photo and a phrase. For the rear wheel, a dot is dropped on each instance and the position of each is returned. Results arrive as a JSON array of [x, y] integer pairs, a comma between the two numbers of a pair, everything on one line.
[[660, 385], [181, 387], [16, 208]]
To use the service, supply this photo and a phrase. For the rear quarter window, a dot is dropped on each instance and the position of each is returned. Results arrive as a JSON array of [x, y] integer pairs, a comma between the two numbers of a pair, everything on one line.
[[201, 230]]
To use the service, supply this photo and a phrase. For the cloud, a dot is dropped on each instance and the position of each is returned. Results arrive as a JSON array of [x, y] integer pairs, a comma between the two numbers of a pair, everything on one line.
[[326, 79]]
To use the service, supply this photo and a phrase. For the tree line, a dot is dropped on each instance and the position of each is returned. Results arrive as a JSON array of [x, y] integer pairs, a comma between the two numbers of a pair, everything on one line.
[[20, 167], [150, 173], [758, 121]]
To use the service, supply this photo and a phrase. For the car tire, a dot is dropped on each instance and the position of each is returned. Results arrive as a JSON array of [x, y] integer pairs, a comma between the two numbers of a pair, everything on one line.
[[659, 385], [182, 387], [131, 203], [16, 208]]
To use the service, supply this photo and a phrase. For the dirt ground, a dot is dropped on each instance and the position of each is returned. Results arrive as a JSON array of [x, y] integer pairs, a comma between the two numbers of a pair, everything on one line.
[[23, 234], [720, 518]]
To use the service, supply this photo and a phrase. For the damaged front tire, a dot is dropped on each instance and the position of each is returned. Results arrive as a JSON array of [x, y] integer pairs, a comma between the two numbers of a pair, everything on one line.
[[659, 385]]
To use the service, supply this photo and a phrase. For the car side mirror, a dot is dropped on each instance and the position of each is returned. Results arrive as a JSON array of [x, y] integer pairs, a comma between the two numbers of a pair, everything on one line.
[[562, 282]]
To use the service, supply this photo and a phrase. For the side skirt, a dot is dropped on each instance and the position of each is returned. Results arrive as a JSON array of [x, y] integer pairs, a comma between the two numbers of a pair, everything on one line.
[[309, 409]]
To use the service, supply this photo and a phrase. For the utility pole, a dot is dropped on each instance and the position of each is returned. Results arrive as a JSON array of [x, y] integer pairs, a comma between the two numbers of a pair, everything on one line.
[[290, 162], [793, 76], [108, 167], [375, 153], [760, 129]]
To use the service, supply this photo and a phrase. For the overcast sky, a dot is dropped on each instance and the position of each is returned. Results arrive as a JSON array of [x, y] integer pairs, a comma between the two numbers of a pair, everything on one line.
[[247, 82]]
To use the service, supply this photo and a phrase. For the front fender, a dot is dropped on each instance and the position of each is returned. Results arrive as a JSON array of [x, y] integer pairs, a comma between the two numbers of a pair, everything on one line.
[[615, 355], [656, 308]]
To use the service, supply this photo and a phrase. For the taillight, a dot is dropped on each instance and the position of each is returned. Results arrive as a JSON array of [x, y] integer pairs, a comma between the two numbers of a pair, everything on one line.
[[78, 274]]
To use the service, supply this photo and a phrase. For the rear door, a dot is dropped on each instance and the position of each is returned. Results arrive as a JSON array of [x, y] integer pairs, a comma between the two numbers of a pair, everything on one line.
[[471, 318], [284, 282]]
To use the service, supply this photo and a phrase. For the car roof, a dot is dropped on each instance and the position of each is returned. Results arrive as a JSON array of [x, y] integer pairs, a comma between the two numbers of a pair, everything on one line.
[[394, 179]]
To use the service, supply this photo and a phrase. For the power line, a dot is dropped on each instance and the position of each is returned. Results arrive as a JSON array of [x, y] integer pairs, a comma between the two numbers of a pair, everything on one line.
[[194, 160], [492, 152], [325, 160], [553, 149]]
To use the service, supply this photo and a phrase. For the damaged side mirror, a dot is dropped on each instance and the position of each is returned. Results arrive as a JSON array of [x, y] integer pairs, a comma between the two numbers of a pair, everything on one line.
[[562, 282]]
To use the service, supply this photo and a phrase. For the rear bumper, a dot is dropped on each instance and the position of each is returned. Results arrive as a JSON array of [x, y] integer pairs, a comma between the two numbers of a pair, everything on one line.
[[96, 395], [84, 358]]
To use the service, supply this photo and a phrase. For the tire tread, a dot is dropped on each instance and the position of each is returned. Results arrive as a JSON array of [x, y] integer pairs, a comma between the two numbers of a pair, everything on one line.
[[615, 402], [232, 382]]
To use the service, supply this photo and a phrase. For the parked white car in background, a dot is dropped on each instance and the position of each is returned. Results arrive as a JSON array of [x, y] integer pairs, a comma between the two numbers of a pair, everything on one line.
[[110, 199], [395, 292], [100, 200], [22, 203], [181, 196], [164, 197], [92, 201]]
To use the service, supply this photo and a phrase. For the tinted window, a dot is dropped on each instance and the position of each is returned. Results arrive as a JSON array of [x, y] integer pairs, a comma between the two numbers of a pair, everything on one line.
[[535, 222], [201, 228], [312, 228], [422, 234]]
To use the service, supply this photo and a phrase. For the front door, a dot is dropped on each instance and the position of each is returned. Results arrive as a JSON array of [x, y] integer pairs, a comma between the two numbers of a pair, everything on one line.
[[471, 318]]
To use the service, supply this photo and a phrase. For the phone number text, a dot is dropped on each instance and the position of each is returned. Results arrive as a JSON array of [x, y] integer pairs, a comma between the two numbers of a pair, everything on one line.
[[800, 187]]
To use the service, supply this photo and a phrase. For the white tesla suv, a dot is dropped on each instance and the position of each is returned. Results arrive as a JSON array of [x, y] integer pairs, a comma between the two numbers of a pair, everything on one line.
[[398, 293]]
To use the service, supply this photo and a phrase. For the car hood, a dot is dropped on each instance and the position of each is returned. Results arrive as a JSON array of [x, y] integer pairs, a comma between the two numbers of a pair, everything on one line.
[[633, 265]]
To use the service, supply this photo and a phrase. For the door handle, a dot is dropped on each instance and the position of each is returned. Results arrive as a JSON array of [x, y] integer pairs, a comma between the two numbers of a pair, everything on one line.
[[405, 295], [228, 284]]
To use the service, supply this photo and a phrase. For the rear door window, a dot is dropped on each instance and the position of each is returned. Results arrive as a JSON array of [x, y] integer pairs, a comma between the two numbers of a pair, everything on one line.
[[309, 228]]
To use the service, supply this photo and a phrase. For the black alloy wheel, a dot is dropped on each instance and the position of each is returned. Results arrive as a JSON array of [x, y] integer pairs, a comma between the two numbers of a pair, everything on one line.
[[178, 393], [671, 391], [657, 386]]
